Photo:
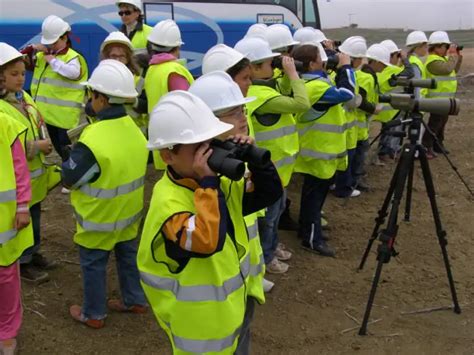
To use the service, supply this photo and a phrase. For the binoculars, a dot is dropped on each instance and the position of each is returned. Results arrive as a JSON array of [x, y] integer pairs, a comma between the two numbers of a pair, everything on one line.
[[229, 158]]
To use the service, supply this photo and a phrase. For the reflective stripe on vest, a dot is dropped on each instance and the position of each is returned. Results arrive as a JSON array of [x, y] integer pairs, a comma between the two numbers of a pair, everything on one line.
[[37, 173], [252, 231], [204, 346], [274, 134], [58, 102], [111, 193], [285, 161], [57, 82], [107, 227], [9, 195], [199, 293], [7, 236], [255, 270], [308, 153]]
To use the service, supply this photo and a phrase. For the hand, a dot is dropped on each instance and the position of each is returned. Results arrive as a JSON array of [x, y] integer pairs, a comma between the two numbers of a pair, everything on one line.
[[241, 139], [201, 157], [40, 47], [344, 59], [403, 54], [378, 109], [453, 50], [49, 57], [45, 146], [289, 68], [22, 219]]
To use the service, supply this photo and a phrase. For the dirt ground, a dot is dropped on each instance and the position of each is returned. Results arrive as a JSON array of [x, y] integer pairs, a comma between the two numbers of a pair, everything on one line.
[[319, 297]]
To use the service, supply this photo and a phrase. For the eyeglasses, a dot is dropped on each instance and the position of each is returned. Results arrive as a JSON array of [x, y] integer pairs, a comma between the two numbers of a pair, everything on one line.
[[125, 13]]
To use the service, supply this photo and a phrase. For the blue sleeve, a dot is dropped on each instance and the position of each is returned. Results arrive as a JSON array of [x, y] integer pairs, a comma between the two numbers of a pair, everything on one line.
[[342, 92], [81, 167], [345, 78]]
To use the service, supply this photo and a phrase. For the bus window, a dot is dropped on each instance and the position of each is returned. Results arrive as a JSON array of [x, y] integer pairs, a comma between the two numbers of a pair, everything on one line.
[[311, 14]]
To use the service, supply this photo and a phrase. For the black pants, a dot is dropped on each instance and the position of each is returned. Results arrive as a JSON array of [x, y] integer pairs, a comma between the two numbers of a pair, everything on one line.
[[313, 195], [60, 141], [35, 212], [437, 124]]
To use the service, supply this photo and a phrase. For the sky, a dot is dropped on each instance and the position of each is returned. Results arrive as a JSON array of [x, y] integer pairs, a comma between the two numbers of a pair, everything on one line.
[[424, 15]]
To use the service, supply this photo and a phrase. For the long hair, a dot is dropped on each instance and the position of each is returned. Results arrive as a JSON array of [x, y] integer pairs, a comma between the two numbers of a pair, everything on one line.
[[131, 63], [305, 53]]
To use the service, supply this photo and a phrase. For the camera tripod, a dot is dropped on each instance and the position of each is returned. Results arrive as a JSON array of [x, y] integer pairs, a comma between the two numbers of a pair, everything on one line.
[[402, 176]]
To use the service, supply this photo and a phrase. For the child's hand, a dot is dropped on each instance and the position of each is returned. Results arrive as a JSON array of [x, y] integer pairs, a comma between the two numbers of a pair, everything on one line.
[[200, 165], [22, 219], [289, 68], [45, 146], [241, 139]]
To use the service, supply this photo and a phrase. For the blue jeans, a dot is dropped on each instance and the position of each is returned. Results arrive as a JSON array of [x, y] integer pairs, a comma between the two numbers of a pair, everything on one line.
[[35, 213], [388, 144], [94, 275], [344, 179], [268, 227], [358, 164], [313, 195]]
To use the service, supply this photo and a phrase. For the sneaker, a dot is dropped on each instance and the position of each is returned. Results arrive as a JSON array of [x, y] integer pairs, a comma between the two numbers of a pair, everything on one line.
[[8, 346], [282, 254], [31, 274], [322, 248], [118, 306], [76, 313], [277, 267], [430, 154], [65, 191], [41, 262], [267, 285], [355, 193]]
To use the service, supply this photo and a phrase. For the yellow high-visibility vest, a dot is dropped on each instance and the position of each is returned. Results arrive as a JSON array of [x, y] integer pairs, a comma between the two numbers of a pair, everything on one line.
[[446, 84]]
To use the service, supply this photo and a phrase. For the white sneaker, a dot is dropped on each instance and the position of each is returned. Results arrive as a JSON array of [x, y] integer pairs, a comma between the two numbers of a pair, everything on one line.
[[282, 254], [277, 267], [267, 285], [355, 193], [65, 191]]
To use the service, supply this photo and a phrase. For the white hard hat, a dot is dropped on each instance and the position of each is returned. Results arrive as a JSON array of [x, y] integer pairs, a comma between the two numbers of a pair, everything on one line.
[[219, 91], [116, 37], [379, 53], [416, 37], [257, 30], [279, 36], [354, 46], [320, 35], [182, 118], [390, 45], [136, 3], [220, 57], [8, 53], [255, 49], [439, 37], [114, 79], [308, 36], [52, 29], [166, 33]]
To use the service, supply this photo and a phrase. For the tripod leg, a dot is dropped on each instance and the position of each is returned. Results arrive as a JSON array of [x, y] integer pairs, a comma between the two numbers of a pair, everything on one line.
[[430, 190], [409, 192], [381, 214], [387, 237]]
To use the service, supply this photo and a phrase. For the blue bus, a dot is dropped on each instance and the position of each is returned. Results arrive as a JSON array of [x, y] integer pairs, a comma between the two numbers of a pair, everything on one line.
[[202, 23]]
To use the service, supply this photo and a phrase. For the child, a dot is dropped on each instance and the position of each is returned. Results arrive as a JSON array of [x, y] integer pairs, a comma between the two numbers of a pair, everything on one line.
[[58, 71], [107, 195], [17, 104], [16, 233], [322, 134], [272, 118], [194, 254]]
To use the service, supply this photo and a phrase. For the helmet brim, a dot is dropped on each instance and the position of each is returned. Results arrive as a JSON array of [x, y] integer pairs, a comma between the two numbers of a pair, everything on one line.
[[245, 101], [94, 87], [259, 60]]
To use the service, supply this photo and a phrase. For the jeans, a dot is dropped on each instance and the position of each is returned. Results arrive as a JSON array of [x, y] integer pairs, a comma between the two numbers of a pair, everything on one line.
[[388, 144], [358, 164], [268, 227], [35, 213], [345, 179], [313, 195], [243, 345], [60, 141], [94, 275]]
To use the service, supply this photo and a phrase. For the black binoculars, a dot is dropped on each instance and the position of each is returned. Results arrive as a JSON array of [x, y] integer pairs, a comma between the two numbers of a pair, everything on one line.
[[229, 158], [277, 63]]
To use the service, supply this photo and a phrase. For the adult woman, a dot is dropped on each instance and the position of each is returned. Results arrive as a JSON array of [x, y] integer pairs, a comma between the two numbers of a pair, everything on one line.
[[131, 14]]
